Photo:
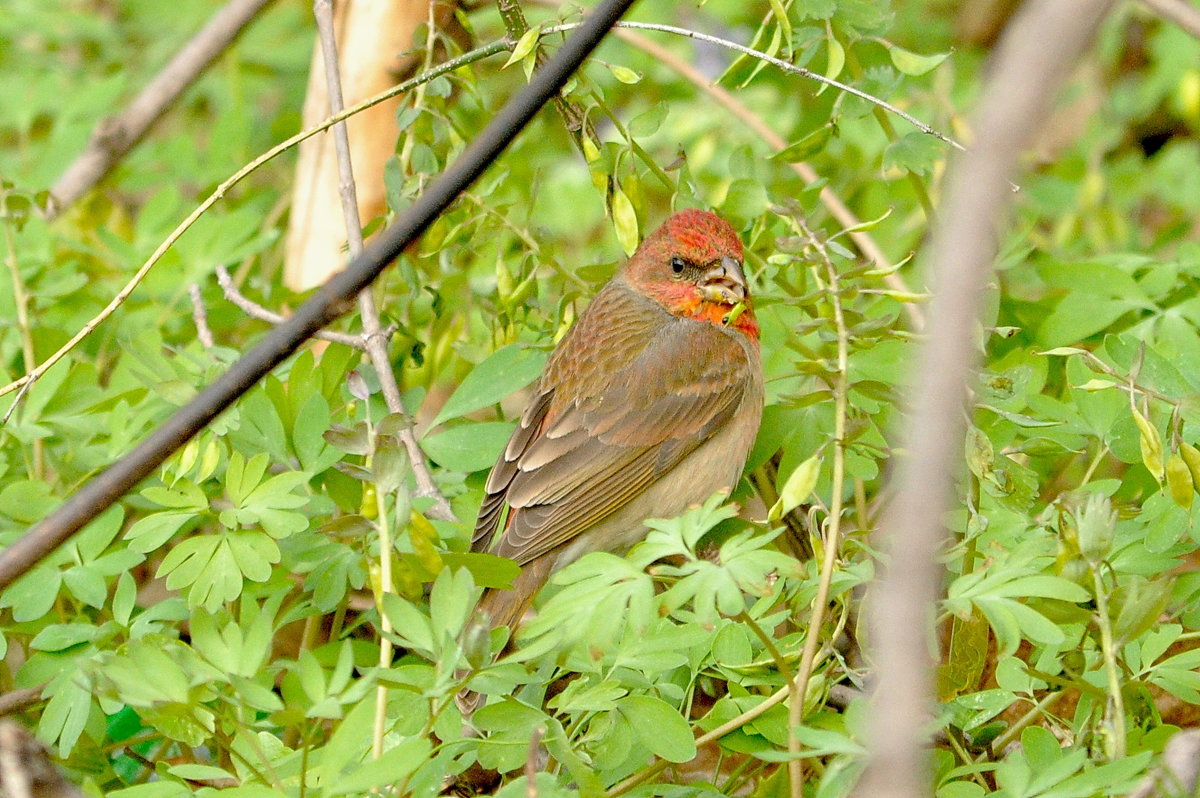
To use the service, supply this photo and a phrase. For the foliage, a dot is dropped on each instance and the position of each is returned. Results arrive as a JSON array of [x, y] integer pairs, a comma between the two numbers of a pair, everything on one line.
[[231, 625]]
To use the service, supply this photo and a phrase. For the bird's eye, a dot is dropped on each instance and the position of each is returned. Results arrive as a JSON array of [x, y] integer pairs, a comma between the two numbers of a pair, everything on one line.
[[678, 264]]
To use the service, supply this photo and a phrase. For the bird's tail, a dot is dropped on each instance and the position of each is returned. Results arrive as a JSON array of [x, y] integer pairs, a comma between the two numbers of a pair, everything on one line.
[[506, 607]]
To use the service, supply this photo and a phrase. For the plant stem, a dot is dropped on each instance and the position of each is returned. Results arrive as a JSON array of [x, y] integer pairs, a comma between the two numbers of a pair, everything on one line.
[[1115, 709], [841, 390]]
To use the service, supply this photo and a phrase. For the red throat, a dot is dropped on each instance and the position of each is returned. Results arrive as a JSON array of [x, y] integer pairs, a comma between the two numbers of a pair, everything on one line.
[[684, 300]]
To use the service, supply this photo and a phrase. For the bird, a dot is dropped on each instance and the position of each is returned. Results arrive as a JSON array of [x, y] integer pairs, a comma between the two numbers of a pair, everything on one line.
[[648, 405]]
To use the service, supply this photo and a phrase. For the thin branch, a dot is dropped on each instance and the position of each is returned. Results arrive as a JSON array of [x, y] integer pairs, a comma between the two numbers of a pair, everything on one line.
[[219, 193], [1180, 12], [16, 700], [115, 136], [200, 317], [330, 301], [21, 301], [1022, 84], [376, 343], [257, 311], [863, 240], [787, 67]]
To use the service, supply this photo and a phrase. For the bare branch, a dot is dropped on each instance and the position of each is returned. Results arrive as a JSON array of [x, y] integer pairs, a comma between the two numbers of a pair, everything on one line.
[[786, 67], [1018, 94], [257, 311], [200, 317], [376, 344], [26, 770], [331, 301], [16, 700], [113, 137]]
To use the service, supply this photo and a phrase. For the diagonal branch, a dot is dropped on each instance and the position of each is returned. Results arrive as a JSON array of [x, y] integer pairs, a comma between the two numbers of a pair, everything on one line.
[[837, 208], [257, 311], [330, 301], [115, 136]]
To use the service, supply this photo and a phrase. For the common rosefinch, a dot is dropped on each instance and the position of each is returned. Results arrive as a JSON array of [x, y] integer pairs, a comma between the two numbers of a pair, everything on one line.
[[648, 405]]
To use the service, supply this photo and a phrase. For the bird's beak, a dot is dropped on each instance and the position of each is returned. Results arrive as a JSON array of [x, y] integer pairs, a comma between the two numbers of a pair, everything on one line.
[[725, 282]]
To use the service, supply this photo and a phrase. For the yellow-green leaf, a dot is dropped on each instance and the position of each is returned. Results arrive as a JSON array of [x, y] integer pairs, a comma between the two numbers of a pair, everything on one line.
[[799, 486], [1191, 456], [624, 74], [837, 60], [1151, 445], [1179, 481], [624, 221], [911, 63], [524, 46]]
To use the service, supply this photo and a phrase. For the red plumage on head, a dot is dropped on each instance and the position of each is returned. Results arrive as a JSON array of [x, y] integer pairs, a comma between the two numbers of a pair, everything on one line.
[[707, 235]]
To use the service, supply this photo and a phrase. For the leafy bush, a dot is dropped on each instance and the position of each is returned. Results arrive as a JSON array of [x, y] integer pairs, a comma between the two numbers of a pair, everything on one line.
[[275, 612]]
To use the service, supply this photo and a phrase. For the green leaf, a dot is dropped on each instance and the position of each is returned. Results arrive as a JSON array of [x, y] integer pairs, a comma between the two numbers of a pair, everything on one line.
[[469, 447], [911, 63], [624, 74], [914, 152], [806, 147], [525, 45], [625, 221], [799, 486], [659, 727], [390, 768], [27, 500], [505, 371]]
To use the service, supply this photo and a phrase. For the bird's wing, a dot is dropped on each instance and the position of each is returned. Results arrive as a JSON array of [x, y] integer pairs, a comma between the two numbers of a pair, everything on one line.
[[629, 394]]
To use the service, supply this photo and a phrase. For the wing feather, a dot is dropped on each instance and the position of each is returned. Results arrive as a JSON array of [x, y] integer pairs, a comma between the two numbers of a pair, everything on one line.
[[607, 420]]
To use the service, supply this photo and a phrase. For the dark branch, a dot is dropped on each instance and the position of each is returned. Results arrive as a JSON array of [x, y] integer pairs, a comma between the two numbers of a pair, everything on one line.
[[330, 301]]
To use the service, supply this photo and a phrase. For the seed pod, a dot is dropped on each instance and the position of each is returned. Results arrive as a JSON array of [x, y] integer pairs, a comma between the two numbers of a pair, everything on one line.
[[1179, 482]]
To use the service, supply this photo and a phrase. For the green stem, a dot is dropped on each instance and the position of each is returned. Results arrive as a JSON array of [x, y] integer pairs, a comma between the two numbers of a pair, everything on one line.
[[1115, 709]]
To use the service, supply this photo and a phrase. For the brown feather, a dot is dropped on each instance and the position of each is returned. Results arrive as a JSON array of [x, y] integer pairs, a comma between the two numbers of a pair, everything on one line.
[[648, 404]]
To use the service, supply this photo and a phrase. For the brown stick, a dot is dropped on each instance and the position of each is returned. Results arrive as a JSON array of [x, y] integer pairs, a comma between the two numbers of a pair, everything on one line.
[[113, 137], [376, 342], [257, 311], [1022, 85]]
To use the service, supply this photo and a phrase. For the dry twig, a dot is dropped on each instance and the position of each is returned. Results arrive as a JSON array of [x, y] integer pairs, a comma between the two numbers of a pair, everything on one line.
[[1018, 94], [257, 311], [200, 317], [376, 344]]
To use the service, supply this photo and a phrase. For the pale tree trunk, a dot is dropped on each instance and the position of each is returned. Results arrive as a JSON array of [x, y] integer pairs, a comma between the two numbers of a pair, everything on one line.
[[372, 35]]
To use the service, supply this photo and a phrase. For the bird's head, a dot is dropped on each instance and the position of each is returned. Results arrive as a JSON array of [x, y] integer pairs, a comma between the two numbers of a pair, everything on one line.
[[692, 266]]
